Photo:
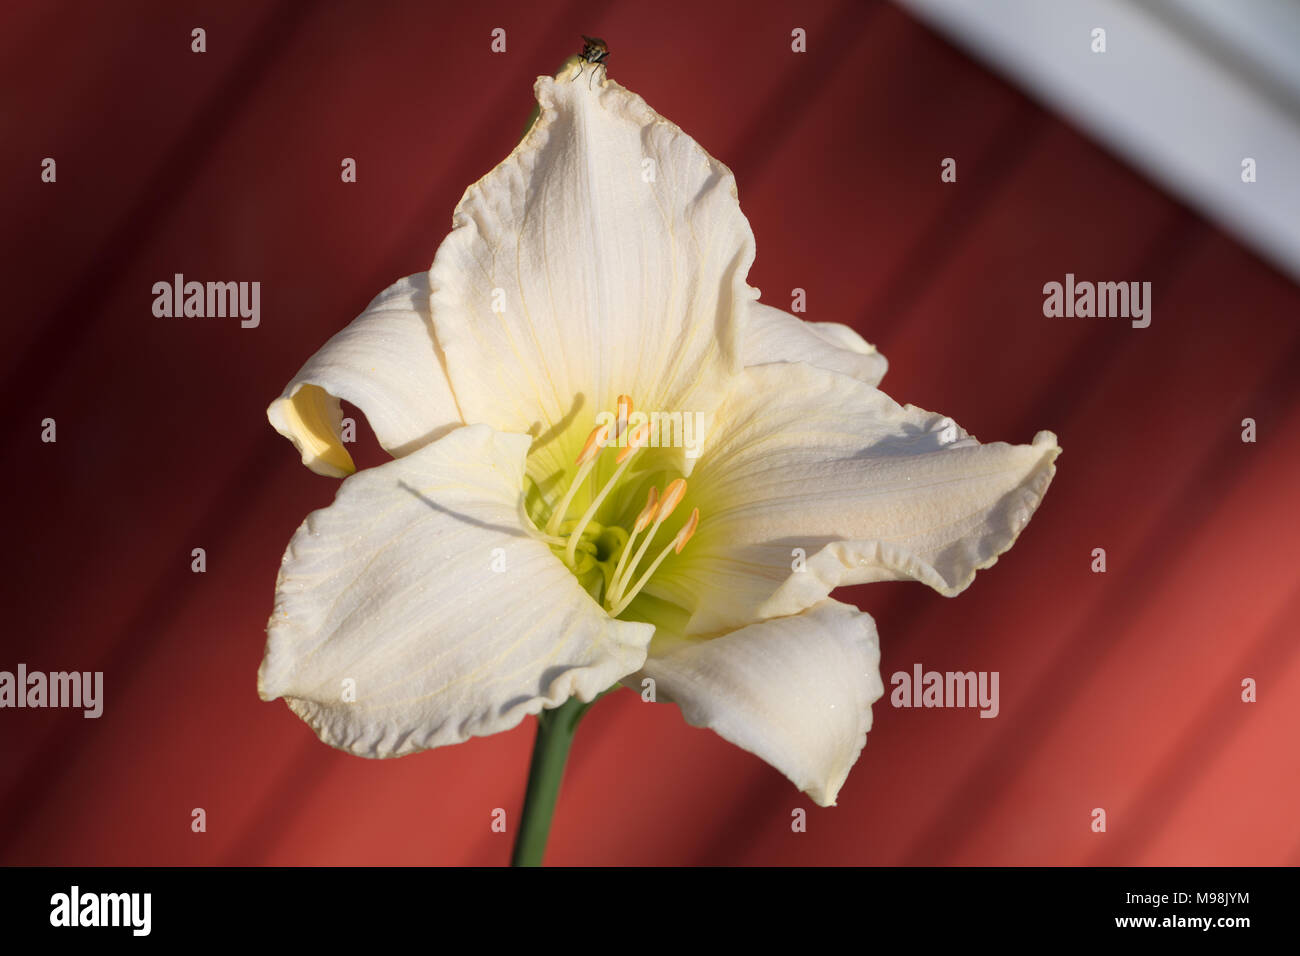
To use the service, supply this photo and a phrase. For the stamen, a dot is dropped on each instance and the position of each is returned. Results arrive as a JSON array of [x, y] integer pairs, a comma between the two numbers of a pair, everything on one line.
[[679, 542], [624, 412], [672, 497], [583, 550], [595, 442], [644, 518], [586, 461], [531, 529], [648, 512], [688, 531], [636, 440]]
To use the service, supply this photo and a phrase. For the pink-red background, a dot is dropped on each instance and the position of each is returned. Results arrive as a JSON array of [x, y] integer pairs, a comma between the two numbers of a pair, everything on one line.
[[1119, 690]]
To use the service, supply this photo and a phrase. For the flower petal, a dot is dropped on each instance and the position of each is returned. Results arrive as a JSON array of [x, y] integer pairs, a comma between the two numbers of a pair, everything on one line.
[[815, 480], [796, 691], [387, 364], [419, 585], [770, 335], [606, 255]]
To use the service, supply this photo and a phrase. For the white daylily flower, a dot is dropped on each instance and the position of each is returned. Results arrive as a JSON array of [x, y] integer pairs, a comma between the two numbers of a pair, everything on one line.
[[522, 549]]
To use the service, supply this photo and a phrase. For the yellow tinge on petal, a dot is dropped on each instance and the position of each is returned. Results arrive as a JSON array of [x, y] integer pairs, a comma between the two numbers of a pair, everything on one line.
[[308, 418]]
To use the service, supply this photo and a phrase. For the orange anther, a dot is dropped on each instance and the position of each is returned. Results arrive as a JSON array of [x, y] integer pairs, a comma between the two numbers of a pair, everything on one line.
[[673, 495], [635, 439], [624, 412], [595, 442], [688, 530], [648, 512]]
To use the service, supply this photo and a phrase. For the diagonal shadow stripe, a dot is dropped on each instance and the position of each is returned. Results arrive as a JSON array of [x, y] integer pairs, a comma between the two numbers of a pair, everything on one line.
[[753, 814], [976, 794], [1101, 347], [307, 770], [137, 638], [68, 326], [756, 146], [1220, 721], [430, 226], [952, 225]]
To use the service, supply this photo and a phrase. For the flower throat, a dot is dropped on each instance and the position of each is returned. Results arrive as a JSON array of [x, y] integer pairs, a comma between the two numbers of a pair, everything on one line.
[[586, 546]]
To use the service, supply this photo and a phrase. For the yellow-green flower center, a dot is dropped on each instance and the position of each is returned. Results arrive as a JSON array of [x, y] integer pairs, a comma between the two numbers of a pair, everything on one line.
[[611, 508]]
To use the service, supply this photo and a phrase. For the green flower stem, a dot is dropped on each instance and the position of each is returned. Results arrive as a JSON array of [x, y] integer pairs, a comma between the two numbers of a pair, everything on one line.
[[555, 730]]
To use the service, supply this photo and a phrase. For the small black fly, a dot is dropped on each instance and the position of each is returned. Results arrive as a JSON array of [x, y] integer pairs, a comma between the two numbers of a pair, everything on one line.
[[594, 51]]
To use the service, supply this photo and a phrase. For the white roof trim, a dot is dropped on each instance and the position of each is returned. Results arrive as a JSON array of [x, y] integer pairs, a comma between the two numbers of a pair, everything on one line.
[[1184, 92]]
